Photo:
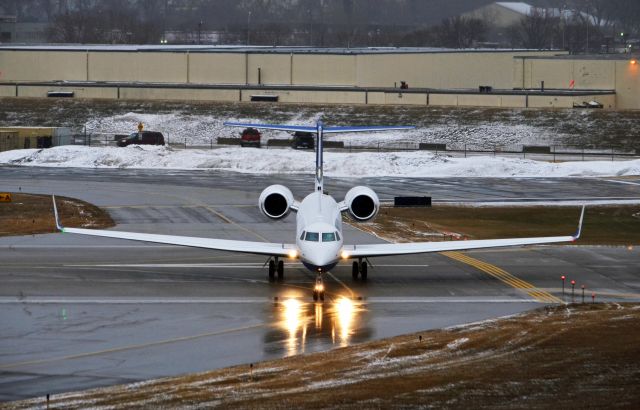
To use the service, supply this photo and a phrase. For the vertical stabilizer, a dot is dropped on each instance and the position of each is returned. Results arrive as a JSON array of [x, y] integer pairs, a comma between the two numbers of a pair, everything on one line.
[[319, 149]]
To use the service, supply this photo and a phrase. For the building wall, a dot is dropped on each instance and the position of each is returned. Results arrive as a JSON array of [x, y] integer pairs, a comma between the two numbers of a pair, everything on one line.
[[627, 85], [42, 66], [435, 70], [217, 68], [619, 75], [318, 69], [153, 67], [439, 70], [445, 70]]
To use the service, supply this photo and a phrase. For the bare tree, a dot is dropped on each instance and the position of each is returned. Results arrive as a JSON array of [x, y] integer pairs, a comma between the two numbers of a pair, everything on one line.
[[535, 31], [460, 32]]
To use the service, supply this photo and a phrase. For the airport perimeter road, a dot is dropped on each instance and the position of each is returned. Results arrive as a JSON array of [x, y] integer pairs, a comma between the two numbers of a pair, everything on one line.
[[78, 312]]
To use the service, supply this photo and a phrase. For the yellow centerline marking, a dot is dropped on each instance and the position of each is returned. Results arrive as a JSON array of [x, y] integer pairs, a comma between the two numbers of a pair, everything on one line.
[[129, 347], [353, 294], [505, 277]]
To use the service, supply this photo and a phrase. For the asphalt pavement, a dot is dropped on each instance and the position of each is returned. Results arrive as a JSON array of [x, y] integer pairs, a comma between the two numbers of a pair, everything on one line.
[[80, 312]]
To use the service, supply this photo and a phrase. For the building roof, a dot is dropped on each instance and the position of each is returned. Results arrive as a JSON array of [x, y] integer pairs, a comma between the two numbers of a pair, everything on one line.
[[517, 6], [249, 49]]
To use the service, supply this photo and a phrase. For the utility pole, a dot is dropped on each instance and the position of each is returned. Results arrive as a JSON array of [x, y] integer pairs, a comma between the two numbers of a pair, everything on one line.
[[248, 27]]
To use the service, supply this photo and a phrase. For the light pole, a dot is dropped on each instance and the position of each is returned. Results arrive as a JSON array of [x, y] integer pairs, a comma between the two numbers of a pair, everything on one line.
[[248, 27], [310, 28], [200, 30], [563, 22]]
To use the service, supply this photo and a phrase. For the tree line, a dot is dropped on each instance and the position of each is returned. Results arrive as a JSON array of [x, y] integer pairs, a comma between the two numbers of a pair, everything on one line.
[[583, 25]]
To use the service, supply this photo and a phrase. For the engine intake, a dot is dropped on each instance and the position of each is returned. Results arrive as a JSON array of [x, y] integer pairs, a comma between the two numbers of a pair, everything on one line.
[[363, 204], [275, 201]]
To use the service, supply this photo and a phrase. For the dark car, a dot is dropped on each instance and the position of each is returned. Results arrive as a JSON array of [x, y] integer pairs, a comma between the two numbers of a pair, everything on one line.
[[250, 137], [142, 138], [303, 140]]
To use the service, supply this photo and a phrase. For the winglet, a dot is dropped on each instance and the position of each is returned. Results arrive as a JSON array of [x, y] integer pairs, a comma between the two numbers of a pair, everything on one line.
[[55, 214], [579, 231]]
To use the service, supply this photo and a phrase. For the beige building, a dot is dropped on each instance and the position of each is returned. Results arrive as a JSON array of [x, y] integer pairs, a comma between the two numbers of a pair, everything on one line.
[[509, 78], [33, 137]]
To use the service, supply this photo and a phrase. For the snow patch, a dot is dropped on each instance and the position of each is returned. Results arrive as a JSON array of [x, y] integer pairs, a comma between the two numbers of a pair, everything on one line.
[[457, 343], [287, 161]]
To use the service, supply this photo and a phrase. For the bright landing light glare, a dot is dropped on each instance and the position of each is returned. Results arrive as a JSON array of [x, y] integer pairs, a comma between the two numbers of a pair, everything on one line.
[[293, 322], [345, 310]]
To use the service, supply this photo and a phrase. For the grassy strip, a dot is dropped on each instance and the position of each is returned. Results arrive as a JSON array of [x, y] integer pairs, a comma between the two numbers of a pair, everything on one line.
[[577, 356], [32, 214], [603, 225]]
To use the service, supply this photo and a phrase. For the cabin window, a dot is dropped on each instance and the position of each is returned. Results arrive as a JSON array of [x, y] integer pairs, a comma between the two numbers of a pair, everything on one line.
[[328, 237], [312, 236]]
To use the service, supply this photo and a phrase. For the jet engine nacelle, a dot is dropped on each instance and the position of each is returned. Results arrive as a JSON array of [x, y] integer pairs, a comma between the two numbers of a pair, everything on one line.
[[275, 201], [362, 203]]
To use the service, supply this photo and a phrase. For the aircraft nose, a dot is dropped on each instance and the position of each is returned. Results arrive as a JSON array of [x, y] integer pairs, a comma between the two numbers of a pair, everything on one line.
[[324, 256]]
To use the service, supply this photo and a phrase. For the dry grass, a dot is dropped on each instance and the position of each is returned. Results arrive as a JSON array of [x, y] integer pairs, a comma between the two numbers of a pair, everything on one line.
[[603, 225], [577, 356], [32, 214]]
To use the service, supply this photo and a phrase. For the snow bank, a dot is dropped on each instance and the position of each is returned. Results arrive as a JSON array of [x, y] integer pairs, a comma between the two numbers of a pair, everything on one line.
[[287, 161], [198, 129]]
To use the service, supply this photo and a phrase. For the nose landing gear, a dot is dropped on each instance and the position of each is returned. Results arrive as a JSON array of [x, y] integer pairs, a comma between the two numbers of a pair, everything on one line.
[[318, 288]]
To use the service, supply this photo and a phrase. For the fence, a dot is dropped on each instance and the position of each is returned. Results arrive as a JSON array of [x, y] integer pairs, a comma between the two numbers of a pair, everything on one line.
[[540, 152]]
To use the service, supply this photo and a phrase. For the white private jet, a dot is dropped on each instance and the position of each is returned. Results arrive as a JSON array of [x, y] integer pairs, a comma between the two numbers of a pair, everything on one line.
[[319, 238]]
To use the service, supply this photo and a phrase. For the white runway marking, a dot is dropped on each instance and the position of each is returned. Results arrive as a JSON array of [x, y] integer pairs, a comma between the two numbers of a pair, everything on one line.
[[44, 300], [129, 301], [239, 265], [473, 299], [89, 246], [622, 182]]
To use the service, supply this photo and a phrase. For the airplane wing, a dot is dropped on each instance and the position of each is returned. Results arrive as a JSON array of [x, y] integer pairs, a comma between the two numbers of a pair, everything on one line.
[[256, 248], [289, 128], [337, 130], [388, 249]]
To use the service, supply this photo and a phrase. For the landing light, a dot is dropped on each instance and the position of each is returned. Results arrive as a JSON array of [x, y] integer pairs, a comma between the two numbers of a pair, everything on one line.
[[633, 62], [344, 255], [293, 253]]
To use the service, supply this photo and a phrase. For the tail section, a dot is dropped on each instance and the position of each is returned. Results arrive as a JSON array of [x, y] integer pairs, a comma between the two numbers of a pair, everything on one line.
[[319, 130], [319, 161]]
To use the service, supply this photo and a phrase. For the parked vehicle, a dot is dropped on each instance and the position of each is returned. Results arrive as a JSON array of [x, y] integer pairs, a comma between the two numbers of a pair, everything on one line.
[[250, 137], [142, 138], [302, 140]]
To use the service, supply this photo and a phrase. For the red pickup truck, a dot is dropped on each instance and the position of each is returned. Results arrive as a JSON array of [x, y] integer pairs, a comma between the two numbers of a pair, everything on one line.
[[250, 138]]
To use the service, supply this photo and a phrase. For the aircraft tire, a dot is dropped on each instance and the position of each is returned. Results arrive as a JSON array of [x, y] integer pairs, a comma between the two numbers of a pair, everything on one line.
[[280, 270], [354, 271], [272, 270], [363, 270]]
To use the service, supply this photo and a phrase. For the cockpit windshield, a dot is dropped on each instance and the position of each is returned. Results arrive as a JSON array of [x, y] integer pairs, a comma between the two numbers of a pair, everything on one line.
[[312, 236], [328, 237]]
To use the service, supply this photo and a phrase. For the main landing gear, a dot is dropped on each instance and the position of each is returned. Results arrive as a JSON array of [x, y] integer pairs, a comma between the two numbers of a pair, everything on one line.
[[359, 268], [318, 288], [276, 266]]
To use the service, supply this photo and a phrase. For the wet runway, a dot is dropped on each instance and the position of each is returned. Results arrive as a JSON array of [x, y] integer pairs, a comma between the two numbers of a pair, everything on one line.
[[80, 312]]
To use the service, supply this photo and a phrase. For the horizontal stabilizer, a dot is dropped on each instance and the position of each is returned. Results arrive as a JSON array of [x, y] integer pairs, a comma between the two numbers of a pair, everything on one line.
[[337, 130], [314, 130], [289, 128]]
